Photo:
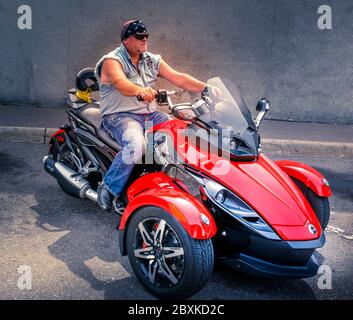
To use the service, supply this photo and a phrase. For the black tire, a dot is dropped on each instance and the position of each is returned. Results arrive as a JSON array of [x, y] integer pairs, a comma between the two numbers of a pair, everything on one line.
[[56, 155], [191, 270], [320, 205]]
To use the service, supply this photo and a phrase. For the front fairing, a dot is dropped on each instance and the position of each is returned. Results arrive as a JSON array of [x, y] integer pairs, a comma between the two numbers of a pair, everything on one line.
[[261, 184], [269, 191]]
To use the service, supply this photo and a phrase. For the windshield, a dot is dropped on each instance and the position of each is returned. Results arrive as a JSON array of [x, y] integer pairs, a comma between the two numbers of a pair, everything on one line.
[[227, 107], [227, 113]]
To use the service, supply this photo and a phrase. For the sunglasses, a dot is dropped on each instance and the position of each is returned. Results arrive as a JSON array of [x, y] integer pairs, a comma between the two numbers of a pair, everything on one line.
[[140, 36]]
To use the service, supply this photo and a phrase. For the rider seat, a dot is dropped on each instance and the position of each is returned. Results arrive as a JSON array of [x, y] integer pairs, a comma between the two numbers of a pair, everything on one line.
[[91, 115]]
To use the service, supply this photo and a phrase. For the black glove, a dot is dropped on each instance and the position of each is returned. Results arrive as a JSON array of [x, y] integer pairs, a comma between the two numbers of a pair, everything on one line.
[[205, 93]]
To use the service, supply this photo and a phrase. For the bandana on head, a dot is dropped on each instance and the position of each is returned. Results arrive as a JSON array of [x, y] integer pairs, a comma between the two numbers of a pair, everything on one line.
[[132, 28]]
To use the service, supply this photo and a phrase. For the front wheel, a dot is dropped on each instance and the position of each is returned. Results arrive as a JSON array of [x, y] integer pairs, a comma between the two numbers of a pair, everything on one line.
[[167, 262], [320, 205]]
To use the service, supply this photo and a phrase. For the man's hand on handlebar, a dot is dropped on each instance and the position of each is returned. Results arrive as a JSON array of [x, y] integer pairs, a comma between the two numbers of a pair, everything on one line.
[[211, 92], [162, 96], [147, 94]]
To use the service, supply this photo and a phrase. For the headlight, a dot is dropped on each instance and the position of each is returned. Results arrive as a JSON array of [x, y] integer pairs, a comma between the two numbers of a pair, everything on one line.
[[237, 208]]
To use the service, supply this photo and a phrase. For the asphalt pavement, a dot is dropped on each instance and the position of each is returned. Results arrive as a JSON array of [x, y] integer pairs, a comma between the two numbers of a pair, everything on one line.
[[71, 247]]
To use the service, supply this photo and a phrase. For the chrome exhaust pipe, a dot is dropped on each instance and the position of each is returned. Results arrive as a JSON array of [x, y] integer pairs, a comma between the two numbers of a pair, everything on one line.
[[70, 179], [91, 194]]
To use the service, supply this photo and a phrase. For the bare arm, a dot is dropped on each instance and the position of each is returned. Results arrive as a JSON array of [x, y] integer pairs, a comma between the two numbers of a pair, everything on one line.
[[181, 80], [112, 72]]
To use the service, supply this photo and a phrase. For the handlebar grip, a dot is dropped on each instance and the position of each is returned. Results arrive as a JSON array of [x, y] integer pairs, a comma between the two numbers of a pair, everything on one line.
[[139, 98]]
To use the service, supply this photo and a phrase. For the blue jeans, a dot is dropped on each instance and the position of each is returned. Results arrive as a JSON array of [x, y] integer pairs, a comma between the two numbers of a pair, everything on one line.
[[128, 129]]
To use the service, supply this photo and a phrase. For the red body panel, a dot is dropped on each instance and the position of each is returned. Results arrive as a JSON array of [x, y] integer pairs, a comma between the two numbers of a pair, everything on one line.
[[291, 232], [308, 175], [158, 189], [262, 184], [56, 135], [60, 131]]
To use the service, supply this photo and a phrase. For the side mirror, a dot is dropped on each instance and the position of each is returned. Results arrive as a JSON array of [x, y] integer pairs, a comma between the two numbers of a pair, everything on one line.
[[184, 112], [262, 107]]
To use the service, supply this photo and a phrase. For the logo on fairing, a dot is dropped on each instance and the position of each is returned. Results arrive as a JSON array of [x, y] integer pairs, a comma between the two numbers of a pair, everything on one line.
[[312, 229]]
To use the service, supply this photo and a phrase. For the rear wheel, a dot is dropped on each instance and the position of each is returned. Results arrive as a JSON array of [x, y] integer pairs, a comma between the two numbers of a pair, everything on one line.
[[320, 205], [77, 162], [164, 258]]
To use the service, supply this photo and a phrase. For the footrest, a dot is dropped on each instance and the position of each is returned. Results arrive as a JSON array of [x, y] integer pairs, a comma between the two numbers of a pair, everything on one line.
[[119, 206]]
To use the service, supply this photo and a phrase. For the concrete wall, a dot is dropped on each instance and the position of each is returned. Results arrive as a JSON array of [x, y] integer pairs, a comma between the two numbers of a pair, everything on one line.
[[271, 48]]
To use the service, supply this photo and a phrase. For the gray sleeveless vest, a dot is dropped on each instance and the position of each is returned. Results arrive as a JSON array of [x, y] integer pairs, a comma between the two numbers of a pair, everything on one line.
[[112, 100]]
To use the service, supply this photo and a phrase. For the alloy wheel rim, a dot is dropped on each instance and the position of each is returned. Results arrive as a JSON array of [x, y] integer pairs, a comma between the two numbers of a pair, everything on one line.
[[159, 252], [66, 156]]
